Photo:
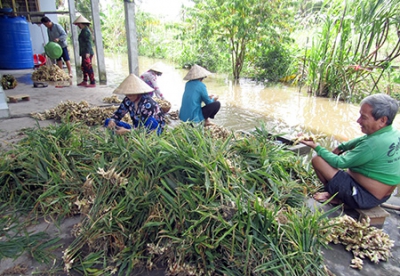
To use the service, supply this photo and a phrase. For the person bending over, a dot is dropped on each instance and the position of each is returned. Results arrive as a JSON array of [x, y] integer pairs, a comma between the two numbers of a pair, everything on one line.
[[372, 161], [57, 34], [150, 78], [142, 109]]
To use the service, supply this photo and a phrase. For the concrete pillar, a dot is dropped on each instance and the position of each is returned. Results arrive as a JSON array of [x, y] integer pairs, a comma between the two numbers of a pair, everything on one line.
[[4, 112], [74, 32], [101, 65], [131, 38]]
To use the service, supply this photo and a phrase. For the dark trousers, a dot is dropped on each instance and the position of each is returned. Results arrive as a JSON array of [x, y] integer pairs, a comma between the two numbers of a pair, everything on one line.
[[87, 69], [210, 110]]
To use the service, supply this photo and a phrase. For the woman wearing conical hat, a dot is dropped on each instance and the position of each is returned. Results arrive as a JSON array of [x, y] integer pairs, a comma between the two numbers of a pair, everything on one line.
[[143, 110], [85, 51], [195, 94], [150, 77]]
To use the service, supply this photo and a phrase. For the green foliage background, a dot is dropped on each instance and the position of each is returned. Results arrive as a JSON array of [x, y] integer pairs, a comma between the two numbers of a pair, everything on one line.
[[305, 42]]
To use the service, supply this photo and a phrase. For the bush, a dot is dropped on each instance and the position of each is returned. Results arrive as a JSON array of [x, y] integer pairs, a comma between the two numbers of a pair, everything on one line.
[[273, 64]]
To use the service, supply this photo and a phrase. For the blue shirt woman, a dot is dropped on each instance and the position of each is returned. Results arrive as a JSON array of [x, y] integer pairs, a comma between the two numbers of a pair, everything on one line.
[[195, 95]]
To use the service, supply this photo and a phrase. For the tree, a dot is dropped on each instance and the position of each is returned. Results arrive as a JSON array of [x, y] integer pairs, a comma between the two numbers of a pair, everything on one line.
[[84, 7], [113, 26], [242, 24]]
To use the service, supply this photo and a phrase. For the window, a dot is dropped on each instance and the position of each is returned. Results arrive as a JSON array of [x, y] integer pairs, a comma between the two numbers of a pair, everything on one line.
[[22, 7]]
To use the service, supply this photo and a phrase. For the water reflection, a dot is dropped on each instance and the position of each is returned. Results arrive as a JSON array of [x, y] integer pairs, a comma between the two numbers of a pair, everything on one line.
[[246, 104]]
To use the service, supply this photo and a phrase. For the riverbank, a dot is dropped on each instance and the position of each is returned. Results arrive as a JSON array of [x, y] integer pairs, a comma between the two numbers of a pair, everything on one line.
[[41, 99]]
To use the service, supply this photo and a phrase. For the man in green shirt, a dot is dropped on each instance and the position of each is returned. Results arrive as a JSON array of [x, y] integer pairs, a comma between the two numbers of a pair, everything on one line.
[[372, 161]]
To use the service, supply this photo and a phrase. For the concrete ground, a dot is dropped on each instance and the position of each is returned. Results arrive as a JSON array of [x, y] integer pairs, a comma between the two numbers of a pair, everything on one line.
[[41, 99]]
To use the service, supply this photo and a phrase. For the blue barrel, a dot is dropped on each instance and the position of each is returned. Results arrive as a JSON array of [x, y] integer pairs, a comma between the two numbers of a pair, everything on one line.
[[16, 45]]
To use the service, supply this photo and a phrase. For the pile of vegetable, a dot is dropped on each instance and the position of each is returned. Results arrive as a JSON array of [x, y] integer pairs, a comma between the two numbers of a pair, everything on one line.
[[50, 73], [363, 240], [8, 82], [184, 201]]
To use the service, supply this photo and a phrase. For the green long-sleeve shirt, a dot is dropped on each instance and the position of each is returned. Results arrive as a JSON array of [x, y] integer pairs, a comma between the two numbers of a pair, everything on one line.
[[85, 42], [376, 155]]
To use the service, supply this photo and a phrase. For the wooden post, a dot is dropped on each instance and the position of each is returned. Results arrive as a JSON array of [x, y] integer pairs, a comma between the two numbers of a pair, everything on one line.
[[14, 7], [28, 17]]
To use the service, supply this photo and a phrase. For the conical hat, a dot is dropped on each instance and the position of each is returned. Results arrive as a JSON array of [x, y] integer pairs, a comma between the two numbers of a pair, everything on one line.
[[133, 85], [197, 72], [81, 19], [158, 67]]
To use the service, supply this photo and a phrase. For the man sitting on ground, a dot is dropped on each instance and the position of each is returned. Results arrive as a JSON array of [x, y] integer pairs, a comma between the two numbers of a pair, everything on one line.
[[372, 161]]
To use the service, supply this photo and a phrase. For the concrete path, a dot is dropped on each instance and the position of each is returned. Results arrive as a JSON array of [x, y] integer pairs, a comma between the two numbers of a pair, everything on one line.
[[18, 115], [49, 97]]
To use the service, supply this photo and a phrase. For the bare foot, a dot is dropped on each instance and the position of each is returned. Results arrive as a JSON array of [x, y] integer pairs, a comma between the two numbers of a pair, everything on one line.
[[325, 196], [208, 123]]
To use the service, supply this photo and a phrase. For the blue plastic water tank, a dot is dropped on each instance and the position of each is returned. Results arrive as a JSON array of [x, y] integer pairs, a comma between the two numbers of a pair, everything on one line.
[[16, 45]]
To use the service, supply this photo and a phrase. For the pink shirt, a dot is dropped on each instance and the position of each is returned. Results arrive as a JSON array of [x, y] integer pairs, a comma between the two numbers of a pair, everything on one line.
[[150, 78]]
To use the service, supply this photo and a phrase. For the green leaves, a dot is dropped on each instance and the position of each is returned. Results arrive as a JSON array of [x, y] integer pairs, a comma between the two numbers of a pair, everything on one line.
[[350, 53], [237, 27], [183, 199]]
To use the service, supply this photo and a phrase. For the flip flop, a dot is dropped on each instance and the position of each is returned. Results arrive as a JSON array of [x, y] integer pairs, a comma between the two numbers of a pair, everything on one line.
[[39, 84]]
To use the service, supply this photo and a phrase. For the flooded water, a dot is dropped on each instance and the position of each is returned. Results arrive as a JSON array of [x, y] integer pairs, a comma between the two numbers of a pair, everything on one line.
[[245, 105]]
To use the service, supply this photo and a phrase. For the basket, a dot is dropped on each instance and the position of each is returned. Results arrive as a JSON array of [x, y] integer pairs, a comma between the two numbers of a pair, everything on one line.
[[53, 50]]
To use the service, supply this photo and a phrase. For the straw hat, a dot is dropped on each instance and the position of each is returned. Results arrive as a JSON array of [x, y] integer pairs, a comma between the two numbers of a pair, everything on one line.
[[158, 67], [133, 85], [197, 72], [81, 19]]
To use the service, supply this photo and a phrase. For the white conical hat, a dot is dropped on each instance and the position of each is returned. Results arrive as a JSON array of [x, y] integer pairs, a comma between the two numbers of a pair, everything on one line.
[[197, 72], [133, 85], [81, 19], [158, 67]]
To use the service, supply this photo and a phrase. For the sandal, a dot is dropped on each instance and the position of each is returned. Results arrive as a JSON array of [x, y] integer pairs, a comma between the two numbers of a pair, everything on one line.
[[40, 84]]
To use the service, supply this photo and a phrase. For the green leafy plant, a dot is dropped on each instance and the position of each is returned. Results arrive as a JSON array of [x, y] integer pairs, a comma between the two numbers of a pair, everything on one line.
[[184, 200], [353, 49]]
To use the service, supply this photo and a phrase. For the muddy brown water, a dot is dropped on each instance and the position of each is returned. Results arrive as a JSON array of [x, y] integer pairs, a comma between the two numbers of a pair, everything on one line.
[[246, 104]]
